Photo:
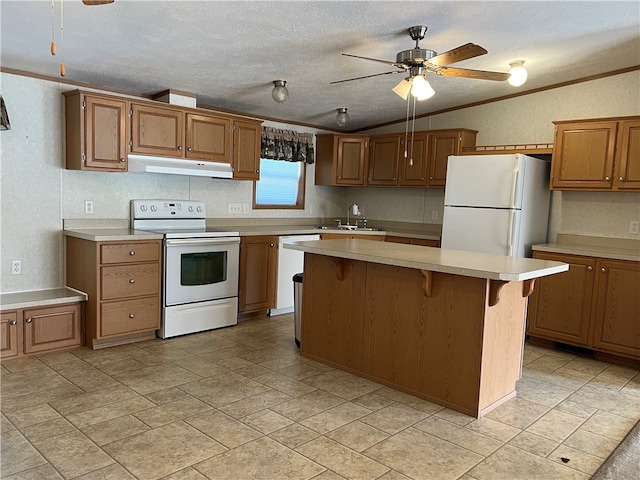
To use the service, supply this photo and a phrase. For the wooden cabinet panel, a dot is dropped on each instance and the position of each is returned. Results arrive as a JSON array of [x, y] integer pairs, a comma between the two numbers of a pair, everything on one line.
[[96, 132], [209, 138], [414, 152], [560, 306], [443, 143], [628, 156], [413, 241], [49, 328], [617, 324], [583, 155], [342, 236], [384, 151], [157, 130], [129, 252], [352, 160], [257, 282], [129, 316], [333, 310], [246, 150], [9, 334], [124, 281]]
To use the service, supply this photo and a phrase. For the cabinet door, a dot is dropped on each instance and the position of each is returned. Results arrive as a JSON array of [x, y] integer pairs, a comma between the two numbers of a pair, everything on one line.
[[246, 150], [617, 327], [258, 263], [628, 156], [384, 152], [129, 316], [157, 131], [209, 138], [105, 134], [412, 168], [50, 328], [442, 145], [560, 306], [9, 332], [351, 160], [583, 155]]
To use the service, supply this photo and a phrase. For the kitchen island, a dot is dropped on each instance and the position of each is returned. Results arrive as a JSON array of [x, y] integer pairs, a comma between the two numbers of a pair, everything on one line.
[[444, 325]]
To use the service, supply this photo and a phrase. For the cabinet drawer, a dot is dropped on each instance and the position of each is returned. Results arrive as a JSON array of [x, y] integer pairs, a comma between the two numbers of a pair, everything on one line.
[[9, 334], [130, 316], [129, 252], [52, 328], [123, 281]]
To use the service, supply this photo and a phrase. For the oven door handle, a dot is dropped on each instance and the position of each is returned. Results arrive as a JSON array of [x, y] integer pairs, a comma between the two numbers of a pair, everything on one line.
[[202, 241]]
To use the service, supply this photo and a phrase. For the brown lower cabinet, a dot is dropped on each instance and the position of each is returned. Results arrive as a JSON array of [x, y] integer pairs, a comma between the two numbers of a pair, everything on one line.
[[334, 236], [425, 242], [596, 304], [41, 329], [257, 280]]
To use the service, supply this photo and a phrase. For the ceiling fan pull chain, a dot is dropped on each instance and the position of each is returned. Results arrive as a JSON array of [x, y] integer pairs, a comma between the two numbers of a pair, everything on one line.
[[413, 129], [63, 70], [406, 132], [53, 19]]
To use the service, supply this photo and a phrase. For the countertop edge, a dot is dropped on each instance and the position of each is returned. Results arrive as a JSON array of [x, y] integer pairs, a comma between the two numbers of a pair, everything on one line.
[[589, 251], [40, 298], [111, 234]]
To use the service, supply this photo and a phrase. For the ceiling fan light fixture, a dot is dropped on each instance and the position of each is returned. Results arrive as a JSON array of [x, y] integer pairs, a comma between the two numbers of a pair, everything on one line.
[[403, 88], [421, 88], [280, 93], [518, 74], [342, 118]]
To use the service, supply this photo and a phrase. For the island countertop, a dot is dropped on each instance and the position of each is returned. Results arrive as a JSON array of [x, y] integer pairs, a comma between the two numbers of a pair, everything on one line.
[[456, 262]]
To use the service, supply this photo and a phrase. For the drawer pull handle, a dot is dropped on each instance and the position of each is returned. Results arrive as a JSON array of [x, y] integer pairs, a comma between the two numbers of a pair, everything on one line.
[[29, 320], [132, 281], [131, 315], [132, 253], [14, 322]]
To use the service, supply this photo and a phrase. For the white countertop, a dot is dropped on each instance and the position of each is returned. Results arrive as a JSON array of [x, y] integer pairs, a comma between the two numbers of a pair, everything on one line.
[[111, 234], [601, 247], [456, 262], [39, 298]]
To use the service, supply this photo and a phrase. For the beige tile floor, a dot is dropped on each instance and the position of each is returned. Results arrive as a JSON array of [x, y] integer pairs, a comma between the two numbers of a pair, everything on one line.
[[240, 403]]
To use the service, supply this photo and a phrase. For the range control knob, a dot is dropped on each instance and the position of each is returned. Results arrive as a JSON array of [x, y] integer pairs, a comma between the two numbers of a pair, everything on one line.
[[191, 208], [143, 208], [153, 208], [199, 209]]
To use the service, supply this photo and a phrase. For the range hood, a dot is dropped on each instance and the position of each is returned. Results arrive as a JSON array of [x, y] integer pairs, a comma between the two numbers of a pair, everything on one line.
[[179, 166]]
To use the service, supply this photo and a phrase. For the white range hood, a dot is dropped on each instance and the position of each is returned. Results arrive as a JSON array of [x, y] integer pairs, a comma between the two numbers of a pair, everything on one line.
[[178, 166]]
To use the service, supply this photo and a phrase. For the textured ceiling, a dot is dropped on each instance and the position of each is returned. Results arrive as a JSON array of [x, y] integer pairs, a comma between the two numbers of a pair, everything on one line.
[[229, 52]]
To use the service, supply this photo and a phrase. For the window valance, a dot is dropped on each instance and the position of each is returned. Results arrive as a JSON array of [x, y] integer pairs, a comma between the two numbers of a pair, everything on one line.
[[277, 144]]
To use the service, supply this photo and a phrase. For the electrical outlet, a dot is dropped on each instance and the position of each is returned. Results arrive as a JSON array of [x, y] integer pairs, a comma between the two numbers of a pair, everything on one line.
[[245, 208], [634, 227], [235, 208], [434, 214], [16, 267], [88, 207]]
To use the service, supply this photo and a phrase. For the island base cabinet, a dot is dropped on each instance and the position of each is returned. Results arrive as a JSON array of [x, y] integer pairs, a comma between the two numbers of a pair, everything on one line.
[[432, 335]]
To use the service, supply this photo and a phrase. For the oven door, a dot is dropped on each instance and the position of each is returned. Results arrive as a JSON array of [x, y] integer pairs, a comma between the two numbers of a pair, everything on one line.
[[200, 269]]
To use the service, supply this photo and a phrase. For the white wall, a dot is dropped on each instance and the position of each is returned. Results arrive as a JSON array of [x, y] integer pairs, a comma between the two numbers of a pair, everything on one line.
[[37, 193]]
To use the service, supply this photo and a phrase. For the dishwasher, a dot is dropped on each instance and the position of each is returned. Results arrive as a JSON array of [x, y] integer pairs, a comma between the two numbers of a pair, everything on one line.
[[290, 262]]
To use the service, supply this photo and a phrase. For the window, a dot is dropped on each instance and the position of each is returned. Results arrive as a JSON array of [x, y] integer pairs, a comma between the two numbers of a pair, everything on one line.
[[281, 185]]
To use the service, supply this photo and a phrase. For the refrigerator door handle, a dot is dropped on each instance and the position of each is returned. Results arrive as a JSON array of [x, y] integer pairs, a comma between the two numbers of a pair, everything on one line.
[[510, 233], [514, 184]]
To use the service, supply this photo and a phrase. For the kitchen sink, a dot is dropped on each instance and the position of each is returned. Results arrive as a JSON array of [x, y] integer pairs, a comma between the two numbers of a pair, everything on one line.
[[348, 227]]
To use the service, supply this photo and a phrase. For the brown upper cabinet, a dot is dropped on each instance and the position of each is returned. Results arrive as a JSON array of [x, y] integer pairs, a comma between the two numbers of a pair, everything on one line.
[[384, 154], [443, 143], [341, 159], [96, 132], [246, 149], [413, 160], [600, 154], [157, 130]]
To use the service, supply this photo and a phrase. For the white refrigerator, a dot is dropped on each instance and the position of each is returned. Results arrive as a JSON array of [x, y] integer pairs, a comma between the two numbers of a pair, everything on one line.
[[496, 204]]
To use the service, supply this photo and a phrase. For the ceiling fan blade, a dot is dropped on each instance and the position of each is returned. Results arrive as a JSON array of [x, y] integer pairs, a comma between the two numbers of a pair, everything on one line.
[[402, 89], [366, 76], [467, 73], [463, 52], [97, 2], [399, 65]]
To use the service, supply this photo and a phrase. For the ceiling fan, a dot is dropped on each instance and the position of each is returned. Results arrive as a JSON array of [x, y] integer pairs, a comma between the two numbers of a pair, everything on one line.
[[97, 2], [418, 61]]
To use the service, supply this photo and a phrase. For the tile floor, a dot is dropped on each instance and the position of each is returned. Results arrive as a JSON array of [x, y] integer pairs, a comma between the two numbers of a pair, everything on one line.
[[240, 403]]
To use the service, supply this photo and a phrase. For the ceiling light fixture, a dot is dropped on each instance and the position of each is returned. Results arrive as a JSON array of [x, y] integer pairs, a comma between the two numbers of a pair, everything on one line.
[[417, 84], [280, 94], [518, 74], [342, 118]]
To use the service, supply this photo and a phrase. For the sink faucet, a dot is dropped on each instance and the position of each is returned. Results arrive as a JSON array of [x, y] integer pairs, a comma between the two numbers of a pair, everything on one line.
[[353, 209]]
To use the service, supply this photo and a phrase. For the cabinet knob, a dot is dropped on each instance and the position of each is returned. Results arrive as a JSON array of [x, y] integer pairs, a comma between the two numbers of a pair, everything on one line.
[[189, 149], [132, 253], [132, 281], [131, 315], [14, 322], [122, 160], [421, 178], [603, 270], [430, 178], [179, 147], [621, 179], [29, 320], [589, 268], [608, 179], [271, 244], [257, 171]]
